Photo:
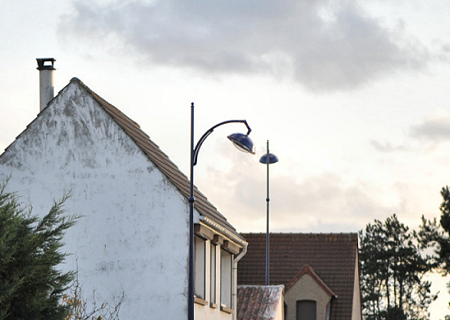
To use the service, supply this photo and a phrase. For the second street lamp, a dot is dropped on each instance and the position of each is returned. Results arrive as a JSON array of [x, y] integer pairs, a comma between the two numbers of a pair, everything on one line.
[[267, 159], [243, 143]]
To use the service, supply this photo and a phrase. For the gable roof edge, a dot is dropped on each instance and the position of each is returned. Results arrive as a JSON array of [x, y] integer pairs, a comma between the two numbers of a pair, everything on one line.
[[310, 271], [160, 159]]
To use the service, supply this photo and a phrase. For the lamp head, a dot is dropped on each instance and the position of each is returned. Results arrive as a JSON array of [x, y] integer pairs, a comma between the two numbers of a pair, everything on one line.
[[268, 158], [242, 142]]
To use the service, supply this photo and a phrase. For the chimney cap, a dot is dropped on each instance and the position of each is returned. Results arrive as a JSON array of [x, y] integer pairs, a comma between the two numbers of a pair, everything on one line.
[[42, 65]]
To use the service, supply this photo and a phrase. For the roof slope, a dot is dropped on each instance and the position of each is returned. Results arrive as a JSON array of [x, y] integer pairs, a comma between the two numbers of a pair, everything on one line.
[[332, 256], [258, 302], [155, 155]]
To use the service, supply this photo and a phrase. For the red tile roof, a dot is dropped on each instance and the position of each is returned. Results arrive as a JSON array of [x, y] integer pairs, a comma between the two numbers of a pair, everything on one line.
[[333, 257], [258, 302]]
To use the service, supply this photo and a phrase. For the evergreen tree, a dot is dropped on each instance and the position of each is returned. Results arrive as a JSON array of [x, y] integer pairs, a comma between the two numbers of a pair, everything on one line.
[[437, 236], [31, 287], [392, 273]]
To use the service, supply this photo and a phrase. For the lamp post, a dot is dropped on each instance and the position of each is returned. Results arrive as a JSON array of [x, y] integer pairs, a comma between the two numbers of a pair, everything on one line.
[[243, 143], [267, 159]]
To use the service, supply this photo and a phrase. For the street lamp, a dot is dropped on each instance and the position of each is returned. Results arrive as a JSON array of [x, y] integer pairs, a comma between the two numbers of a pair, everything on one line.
[[243, 143], [267, 159]]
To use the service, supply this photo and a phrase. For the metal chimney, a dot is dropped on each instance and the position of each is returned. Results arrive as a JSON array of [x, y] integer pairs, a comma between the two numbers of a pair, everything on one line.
[[46, 89]]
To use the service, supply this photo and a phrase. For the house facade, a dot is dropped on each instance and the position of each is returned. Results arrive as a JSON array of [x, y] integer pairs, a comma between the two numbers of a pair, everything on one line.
[[320, 273], [133, 233]]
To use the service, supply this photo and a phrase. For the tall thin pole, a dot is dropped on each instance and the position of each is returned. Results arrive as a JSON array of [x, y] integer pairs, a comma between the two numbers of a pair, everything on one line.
[[191, 226], [245, 144], [267, 222]]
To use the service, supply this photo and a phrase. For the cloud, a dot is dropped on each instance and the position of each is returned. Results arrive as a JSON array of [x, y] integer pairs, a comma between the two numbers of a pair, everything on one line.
[[320, 203], [429, 133], [323, 46], [388, 147], [435, 129]]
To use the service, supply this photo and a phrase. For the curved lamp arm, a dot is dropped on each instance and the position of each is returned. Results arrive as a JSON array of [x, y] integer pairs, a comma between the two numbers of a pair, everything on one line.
[[207, 133], [244, 143]]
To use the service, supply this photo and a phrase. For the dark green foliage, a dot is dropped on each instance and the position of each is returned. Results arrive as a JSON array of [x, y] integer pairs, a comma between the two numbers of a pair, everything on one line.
[[30, 285], [437, 236], [392, 271], [443, 239]]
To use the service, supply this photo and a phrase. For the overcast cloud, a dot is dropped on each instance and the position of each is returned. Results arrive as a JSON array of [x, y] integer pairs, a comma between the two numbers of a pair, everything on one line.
[[310, 203], [389, 147], [321, 44], [436, 129], [352, 94]]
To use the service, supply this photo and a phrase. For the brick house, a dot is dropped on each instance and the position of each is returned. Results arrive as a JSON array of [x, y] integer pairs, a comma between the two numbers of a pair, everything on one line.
[[320, 273]]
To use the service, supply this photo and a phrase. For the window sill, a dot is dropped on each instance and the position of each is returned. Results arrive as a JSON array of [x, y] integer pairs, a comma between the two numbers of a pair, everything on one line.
[[213, 305], [226, 309], [200, 301]]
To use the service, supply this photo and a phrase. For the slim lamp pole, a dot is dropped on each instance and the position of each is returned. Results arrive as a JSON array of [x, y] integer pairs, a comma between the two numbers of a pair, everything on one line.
[[243, 143], [267, 222], [191, 225], [268, 159]]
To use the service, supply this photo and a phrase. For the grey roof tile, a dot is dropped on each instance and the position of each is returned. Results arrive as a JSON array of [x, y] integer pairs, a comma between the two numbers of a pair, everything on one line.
[[258, 302]]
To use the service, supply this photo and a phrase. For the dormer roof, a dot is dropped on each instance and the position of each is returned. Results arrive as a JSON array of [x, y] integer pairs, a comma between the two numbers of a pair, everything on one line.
[[307, 270]]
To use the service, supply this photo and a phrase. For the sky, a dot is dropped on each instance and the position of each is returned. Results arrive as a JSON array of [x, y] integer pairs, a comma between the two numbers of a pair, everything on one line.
[[351, 95]]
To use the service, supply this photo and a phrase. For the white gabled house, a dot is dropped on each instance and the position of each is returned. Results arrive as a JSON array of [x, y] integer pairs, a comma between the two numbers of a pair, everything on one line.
[[133, 234]]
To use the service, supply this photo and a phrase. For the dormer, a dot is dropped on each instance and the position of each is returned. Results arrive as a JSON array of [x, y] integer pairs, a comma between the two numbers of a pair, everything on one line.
[[310, 295]]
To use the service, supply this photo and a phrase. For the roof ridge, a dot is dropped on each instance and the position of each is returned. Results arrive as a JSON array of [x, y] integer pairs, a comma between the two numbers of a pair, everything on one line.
[[305, 233], [95, 95]]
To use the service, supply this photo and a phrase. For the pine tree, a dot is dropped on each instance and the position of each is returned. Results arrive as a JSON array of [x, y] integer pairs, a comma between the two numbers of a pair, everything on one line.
[[437, 236], [392, 273], [31, 286]]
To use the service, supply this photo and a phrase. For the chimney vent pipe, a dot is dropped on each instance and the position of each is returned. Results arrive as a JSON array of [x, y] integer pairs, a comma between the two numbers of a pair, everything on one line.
[[46, 86]]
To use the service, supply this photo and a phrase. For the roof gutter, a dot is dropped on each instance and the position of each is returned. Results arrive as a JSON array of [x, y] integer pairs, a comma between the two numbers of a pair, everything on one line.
[[235, 262], [226, 232]]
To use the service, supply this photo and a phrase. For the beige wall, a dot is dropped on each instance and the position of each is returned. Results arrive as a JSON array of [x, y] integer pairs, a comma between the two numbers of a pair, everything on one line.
[[356, 311], [280, 310], [206, 312], [306, 289]]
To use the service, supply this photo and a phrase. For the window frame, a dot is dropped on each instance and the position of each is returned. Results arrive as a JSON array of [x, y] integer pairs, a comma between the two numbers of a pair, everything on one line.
[[226, 279], [199, 268]]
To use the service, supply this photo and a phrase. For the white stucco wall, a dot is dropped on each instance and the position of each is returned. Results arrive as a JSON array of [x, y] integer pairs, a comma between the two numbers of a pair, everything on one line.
[[133, 235]]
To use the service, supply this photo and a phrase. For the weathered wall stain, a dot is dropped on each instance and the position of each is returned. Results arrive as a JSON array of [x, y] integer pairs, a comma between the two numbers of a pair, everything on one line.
[[133, 219]]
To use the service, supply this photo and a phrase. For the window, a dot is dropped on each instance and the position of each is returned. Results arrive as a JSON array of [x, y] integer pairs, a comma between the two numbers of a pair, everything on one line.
[[199, 267], [306, 310], [226, 269], [213, 273]]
